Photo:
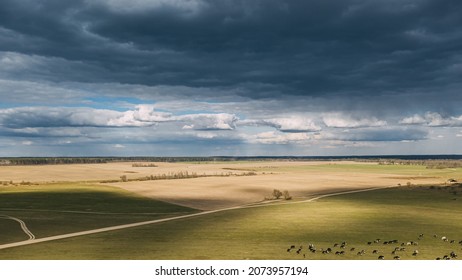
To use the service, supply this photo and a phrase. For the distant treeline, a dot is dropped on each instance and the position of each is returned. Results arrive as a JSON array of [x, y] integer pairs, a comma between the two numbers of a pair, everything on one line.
[[76, 160], [430, 164], [46, 161], [87, 160], [177, 175]]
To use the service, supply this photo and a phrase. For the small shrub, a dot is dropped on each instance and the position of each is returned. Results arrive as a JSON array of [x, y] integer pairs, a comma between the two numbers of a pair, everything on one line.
[[286, 195]]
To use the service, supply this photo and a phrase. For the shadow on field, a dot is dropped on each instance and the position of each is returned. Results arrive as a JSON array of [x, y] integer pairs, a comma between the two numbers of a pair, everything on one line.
[[267, 232]]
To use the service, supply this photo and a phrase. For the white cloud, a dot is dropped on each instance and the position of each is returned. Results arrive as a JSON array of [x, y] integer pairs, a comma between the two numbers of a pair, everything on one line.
[[221, 121], [25, 117], [341, 121], [119, 146], [141, 116], [435, 119], [415, 119], [146, 113], [432, 119]]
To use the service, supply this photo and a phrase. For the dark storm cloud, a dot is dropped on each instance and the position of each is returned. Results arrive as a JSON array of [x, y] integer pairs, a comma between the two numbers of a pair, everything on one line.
[[254, 72], [269, 48]]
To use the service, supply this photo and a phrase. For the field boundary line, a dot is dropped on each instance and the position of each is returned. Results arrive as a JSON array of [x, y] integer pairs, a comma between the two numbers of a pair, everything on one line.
[[137, 224], [22, 224]]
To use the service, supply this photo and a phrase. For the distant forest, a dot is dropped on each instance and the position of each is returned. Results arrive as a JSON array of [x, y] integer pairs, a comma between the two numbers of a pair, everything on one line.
[[431, 161]]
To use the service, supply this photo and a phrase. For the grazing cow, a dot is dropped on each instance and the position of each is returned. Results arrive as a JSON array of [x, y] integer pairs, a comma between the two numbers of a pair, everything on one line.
[[435, 235], [342, 252], [304, 256], [396, 258], [375, 252], [298, 251], [415, 253], [438, 259], [444, 238], [369, 243], [385, 243], [312, 248], [336, 245], [453, 255], [421, 235], [352, 249], [381, 258], [452, 241], [290, 249], [408, 243], [377, 240]]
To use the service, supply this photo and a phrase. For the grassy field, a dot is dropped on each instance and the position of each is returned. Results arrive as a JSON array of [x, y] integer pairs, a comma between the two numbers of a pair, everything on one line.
[[267, 232], [52, 209]]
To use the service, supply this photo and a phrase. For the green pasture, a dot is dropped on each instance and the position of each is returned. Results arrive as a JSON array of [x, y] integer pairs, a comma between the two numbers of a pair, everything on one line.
[[53, 209], [267, 232]]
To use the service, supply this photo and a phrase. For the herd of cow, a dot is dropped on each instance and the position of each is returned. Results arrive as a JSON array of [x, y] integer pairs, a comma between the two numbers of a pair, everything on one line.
[[342, 248]]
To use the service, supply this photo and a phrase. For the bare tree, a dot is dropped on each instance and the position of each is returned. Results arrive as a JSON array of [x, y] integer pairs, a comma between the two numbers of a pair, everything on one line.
[[277, 193]]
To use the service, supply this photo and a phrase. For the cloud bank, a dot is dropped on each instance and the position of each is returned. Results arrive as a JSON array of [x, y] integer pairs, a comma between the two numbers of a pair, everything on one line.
[[231, 77]]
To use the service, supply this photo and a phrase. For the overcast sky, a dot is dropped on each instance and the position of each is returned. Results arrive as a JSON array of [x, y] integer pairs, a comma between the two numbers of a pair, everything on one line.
[[230, 77]]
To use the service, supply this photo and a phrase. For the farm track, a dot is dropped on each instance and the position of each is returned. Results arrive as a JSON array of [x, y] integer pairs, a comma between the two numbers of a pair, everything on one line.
[[22, 224], [131, 225], [86, 212]]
